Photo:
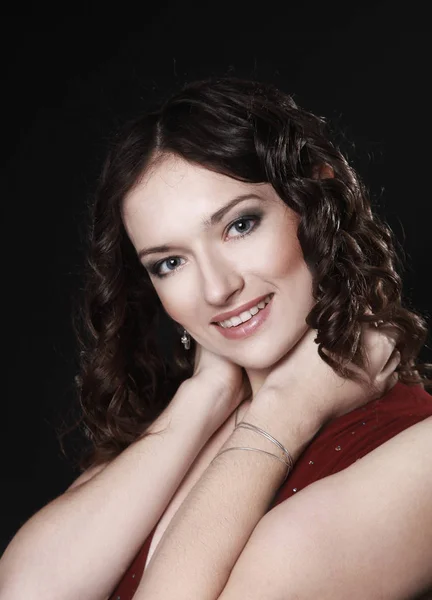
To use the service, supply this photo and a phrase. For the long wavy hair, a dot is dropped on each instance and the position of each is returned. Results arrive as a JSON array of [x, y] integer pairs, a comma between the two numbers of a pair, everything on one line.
[[254, 133]]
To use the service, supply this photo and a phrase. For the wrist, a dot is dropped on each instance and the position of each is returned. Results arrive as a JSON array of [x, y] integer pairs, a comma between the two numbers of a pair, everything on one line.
[[284, 419], [185, 411], [203, 404], [278, 464]]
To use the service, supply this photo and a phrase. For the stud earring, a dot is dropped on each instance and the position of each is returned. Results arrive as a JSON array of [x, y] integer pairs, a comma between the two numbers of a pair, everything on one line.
[[185, 339]]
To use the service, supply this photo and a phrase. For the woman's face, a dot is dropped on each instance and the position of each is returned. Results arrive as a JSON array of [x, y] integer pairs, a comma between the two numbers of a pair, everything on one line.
[[213, 266]]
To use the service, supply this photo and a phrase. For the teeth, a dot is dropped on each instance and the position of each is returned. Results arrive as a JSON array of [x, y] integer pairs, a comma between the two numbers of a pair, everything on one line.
[[245, 315], [235, 320]]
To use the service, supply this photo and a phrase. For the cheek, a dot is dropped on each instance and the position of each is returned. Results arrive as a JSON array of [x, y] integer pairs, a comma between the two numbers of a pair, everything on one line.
[[281, 255], [290, 270], [178, 305]]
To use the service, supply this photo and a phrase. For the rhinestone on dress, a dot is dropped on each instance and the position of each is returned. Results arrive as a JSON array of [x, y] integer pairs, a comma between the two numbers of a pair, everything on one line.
[[311, 462], [337, 448], [294, 489]]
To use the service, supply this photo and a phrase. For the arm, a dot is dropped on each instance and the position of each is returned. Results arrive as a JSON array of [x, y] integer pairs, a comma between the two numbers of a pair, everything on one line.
[[79, 545], [210, 529], [222, 510], [365, 532]]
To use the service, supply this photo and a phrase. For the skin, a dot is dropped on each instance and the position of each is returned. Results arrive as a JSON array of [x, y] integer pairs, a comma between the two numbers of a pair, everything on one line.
[[357, 534], [178, 196], [210, 274], [227, 267]]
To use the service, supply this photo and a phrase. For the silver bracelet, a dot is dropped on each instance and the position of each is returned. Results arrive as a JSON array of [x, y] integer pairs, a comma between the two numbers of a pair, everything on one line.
[[288, 466], [270, 438]]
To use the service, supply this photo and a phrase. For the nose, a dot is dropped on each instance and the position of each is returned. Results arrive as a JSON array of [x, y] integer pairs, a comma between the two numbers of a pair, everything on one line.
[[220, 279]]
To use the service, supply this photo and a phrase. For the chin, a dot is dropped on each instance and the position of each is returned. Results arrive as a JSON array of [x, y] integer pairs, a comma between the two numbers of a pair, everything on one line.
[[265, 356]]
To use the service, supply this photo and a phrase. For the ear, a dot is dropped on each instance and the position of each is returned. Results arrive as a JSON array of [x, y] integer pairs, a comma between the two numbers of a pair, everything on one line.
[[322, 171]]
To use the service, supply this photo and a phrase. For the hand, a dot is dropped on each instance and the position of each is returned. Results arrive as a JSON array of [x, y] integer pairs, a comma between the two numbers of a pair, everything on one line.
[[302, 381], [227, 380]]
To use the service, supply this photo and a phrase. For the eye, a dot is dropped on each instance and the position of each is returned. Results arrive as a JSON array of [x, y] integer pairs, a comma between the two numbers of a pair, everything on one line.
[[242, 221], [167, 266], [156, 269]]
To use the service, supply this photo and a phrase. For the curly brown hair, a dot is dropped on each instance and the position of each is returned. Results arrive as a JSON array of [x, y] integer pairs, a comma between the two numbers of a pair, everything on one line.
[[254, 133]]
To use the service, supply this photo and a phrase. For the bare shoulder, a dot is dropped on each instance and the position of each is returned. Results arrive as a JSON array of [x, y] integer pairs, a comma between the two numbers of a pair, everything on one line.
[[407, 454], [398, 468], [369, 525], [87, 475]]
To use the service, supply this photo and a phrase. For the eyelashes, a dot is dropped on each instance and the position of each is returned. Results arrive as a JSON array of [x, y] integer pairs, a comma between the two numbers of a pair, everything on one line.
[[155, 268]]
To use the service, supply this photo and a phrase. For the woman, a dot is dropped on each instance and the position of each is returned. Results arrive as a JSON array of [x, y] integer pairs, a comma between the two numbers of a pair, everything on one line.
[[230, 468]]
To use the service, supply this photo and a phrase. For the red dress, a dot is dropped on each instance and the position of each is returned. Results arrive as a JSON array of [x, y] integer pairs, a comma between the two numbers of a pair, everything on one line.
[[336, 446]]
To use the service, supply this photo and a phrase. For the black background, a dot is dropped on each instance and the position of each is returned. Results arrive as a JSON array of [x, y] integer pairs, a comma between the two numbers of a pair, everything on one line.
[[70, 78]]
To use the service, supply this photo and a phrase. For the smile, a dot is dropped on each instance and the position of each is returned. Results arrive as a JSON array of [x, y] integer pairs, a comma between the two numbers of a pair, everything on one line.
[[245, 315], [247, 322]]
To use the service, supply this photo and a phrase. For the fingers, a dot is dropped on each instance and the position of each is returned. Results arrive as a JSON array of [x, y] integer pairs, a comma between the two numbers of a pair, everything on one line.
[[379, 345], [388, 330], [391, 364], [388, 376], [384, 358]]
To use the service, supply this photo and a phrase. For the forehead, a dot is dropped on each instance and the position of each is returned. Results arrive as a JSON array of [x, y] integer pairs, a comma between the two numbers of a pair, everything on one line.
[[176, 185]]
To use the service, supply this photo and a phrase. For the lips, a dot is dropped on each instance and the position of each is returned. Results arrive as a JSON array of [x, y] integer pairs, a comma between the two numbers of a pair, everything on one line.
[[233, 313], [248, 328]]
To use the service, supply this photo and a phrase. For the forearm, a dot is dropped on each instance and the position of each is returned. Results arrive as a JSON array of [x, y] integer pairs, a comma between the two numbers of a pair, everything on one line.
[[208, 533], [80, 544]]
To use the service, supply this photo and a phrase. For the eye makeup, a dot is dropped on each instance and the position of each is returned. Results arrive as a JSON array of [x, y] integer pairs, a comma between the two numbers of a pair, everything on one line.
[[245, 217]]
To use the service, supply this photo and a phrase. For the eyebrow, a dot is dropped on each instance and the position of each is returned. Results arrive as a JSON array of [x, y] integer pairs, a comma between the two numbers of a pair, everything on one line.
[[207, 223]]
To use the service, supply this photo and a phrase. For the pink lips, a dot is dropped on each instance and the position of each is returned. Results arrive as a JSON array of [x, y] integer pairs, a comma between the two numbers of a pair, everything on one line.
[[232, 313], [249, 327]]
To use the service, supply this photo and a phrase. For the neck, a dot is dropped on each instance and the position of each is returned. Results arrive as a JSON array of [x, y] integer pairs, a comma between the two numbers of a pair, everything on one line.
[[257, 379]]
